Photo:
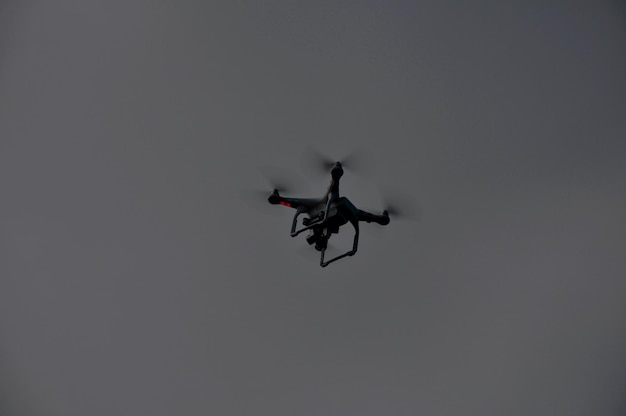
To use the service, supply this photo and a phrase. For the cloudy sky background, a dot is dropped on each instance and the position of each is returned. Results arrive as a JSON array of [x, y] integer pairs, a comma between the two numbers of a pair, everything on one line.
[[134, 279]]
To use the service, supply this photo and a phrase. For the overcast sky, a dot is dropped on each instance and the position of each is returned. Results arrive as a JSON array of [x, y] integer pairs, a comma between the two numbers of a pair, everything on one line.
[[135, 280]]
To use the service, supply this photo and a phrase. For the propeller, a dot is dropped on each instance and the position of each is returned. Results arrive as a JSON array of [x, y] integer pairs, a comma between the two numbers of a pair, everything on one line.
[[283, 180], [400, 206], [277, 178], [360, 162]]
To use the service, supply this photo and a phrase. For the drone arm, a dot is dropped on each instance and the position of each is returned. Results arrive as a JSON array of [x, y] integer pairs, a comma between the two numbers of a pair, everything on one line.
[[296, 203], [382, 219], [305, 203]]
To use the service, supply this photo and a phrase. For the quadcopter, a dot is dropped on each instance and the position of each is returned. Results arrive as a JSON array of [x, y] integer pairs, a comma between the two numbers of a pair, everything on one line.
[[325, 216]]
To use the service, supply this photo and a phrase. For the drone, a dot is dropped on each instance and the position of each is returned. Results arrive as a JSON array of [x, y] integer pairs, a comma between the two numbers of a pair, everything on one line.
[[326, 215]]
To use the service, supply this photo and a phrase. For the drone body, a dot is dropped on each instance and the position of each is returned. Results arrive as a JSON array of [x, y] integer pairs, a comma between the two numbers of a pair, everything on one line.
[[326, 215]]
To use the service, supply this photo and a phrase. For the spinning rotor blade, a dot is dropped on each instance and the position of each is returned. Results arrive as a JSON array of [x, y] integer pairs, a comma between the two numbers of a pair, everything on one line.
[[281, 179], [316, 162], [398, 206], [256, 200], [401, 206], [359, 162]]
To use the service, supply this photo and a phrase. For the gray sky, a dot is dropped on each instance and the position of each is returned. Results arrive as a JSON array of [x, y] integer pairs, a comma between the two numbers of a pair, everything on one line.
[[134, 279]]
